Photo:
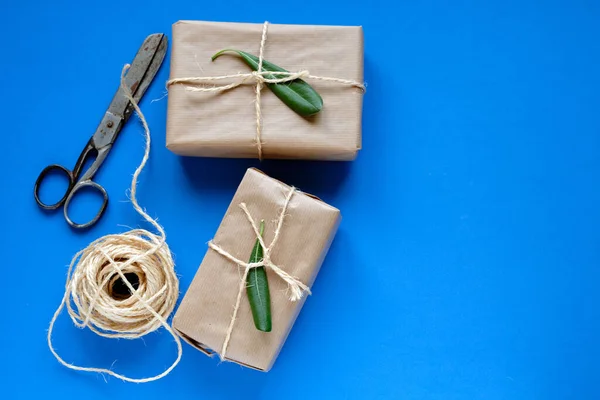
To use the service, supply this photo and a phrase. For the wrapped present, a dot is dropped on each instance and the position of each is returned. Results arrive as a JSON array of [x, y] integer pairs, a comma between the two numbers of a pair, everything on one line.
[[225, 108], [215, 315]]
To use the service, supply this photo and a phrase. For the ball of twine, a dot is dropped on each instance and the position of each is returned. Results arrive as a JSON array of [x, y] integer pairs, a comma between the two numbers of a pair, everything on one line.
[[138, 259], [113, 260]]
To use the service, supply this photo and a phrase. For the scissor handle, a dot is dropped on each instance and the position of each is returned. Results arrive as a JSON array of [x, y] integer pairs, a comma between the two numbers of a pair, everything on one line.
[[42, 176], [78, 186]]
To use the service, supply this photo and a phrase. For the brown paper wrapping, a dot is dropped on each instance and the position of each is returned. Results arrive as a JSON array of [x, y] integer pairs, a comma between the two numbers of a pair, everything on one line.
[[224, 124], [206, 309]]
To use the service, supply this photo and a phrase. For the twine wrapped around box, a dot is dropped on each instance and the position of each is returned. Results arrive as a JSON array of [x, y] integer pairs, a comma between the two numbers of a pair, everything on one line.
[[213, 316], [297, 288], [259, 77]]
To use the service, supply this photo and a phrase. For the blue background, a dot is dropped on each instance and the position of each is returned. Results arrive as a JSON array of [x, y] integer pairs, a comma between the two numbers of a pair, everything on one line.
[[467, 264]]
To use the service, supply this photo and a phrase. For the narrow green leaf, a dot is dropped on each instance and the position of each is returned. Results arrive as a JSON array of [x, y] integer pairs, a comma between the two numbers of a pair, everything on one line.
[[257, 288], [296, 94]]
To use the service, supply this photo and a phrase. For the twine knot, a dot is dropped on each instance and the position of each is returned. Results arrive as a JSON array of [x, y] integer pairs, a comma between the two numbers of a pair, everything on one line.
[[258, 76], [296, 287]]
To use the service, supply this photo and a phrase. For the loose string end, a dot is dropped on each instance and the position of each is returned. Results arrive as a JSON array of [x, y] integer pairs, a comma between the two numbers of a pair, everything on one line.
[[94, 270]]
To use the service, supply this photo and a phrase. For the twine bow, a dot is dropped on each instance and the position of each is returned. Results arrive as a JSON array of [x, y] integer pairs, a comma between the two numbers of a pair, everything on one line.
[[296, 287], [259, 77]]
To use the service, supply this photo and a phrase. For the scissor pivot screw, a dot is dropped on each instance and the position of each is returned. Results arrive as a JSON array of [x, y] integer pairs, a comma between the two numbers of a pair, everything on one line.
[[109, 124]]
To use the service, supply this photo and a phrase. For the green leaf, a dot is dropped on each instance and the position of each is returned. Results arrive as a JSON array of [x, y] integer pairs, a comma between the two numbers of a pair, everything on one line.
[[257, 289], [296, 94]]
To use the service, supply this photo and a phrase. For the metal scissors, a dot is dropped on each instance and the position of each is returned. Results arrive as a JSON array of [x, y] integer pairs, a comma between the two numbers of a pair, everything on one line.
[[139, 76]]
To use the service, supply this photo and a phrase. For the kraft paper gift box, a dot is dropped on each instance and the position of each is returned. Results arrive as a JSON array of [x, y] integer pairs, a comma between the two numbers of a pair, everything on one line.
[[205, 317], [224, 123]]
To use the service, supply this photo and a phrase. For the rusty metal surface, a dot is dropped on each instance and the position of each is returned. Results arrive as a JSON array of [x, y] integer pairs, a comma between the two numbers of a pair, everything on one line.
[[140, 74]]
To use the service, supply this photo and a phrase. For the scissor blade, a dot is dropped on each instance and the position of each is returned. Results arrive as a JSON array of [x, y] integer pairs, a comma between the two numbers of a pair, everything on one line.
[[161, 51], [141, 73]]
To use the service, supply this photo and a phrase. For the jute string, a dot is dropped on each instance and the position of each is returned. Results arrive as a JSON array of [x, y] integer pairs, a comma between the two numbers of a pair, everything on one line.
[[295, 286], [259, 77], [95, 269]]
